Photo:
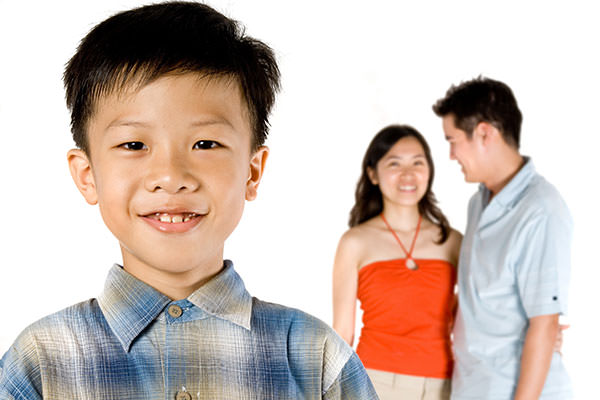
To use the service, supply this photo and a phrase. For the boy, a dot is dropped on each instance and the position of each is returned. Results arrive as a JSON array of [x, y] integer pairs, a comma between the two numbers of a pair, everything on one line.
[[169, 107], [515, 255]]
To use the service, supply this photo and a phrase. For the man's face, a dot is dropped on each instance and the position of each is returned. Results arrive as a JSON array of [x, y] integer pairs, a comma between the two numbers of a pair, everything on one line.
[[171, 167], [465, 150]]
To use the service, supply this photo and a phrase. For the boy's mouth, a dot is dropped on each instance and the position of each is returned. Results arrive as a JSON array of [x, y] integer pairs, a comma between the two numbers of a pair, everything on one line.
[[174, 221], [172, 218]]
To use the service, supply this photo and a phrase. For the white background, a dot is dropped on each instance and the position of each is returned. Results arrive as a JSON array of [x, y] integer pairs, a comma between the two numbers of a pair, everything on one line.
[[349, 68]]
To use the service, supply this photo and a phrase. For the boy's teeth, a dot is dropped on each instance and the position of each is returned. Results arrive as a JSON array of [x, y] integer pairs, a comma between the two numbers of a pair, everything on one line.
[[174, 219]]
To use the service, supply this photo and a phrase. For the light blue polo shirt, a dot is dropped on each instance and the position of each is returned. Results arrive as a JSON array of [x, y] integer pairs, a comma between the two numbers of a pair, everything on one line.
[[514, 265]]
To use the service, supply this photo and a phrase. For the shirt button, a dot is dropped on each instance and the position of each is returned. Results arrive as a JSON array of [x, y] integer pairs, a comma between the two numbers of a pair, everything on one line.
[[183, 395], [175, 311]]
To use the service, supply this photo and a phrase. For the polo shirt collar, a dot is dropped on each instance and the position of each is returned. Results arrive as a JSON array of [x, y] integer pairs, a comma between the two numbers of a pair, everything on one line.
[[130, 305], [511, 193]]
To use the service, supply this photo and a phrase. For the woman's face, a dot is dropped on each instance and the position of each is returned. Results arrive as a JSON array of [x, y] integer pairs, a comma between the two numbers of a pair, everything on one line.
[[402, 174]]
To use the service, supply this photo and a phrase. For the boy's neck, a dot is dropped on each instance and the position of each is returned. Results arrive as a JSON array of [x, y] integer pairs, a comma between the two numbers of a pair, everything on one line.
[[177, 285]]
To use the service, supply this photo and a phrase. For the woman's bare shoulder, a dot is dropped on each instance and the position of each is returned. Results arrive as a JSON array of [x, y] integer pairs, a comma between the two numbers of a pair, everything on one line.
[[453, 244], [361, 231], [455, 235], [356, 239]]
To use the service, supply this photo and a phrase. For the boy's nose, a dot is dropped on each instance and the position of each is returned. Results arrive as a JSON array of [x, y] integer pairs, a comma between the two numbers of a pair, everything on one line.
[[171, 175]]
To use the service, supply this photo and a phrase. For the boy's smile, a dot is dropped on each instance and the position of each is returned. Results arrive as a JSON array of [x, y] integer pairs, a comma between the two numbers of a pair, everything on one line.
[[175, 222], [171, 166], [172, 221]]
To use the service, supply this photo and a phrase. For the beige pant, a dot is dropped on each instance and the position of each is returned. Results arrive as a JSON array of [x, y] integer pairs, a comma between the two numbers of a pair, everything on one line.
[[390, 386]]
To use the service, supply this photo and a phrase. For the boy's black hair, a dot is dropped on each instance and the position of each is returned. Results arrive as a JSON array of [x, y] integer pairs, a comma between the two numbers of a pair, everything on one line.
[[483, 100], [143, 44]]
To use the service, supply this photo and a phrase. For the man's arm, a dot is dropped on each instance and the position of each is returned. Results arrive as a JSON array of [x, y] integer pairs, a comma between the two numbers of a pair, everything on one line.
[[536, 356]]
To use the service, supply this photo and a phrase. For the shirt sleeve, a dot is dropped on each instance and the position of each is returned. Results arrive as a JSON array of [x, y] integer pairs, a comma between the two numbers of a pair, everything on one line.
[[544, 265], [19, 371], [351, 383]]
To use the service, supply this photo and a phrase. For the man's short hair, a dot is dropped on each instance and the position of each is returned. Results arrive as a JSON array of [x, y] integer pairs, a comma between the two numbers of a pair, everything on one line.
[[138, 46], [483, 100]]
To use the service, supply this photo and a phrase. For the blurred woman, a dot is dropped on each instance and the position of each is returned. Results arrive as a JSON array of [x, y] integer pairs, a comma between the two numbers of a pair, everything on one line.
[[399, 259]]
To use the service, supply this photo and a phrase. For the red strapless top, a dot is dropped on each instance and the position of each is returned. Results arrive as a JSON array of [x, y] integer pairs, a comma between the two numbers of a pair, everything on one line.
[[407, 317]]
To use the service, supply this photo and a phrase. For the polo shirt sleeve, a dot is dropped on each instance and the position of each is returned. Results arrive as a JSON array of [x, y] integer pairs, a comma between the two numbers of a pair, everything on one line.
[[544, 263]]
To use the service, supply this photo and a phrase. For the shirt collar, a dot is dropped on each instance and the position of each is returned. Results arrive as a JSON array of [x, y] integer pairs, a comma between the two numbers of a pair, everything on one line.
[[225, 296], [511, 193], [130, 305]]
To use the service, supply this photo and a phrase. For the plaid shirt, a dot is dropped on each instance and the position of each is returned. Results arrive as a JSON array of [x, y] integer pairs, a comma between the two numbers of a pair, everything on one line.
[[220, 343]]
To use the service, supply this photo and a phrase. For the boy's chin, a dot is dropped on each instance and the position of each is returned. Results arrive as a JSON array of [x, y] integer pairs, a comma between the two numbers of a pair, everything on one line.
[[173, 265]]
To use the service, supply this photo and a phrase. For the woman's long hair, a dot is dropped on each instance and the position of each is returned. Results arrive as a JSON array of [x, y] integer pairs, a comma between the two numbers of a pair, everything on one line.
[[368, 198]]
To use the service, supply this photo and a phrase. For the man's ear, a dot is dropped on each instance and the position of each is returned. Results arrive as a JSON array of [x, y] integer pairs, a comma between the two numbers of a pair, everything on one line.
[[257, 167], [372, 176], [486, 132], [81, 172]]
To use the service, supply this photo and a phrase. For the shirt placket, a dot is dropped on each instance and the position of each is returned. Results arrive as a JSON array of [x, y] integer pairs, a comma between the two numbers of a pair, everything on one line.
[[179, 360]]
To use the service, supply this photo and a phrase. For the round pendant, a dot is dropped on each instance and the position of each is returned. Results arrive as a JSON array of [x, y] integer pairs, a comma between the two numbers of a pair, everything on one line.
[[411, 264]]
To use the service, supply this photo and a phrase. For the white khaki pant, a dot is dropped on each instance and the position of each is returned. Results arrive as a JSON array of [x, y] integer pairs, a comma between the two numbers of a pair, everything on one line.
[[390, 386]]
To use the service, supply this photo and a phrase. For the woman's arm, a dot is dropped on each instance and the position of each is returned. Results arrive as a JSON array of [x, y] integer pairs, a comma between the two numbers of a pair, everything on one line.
[[452, 246], [345, 283], [454, 243]]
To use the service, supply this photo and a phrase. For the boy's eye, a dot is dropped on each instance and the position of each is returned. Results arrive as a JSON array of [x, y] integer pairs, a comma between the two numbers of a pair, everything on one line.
[[133, 146], [205, 144]]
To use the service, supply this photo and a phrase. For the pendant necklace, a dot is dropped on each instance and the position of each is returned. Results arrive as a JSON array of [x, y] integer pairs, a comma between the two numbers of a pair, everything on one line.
[[409, 262]]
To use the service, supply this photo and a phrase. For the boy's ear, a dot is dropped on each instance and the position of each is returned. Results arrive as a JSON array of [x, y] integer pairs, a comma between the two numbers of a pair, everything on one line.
[[81, 172], [257, 166]]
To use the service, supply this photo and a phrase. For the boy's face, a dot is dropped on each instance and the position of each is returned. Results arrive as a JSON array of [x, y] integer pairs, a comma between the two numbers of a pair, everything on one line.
[[170, 167]]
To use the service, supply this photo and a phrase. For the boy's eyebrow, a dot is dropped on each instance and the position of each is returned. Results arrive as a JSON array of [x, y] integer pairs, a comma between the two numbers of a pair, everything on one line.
[[198, 123], [212, 121], [125, 122]]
